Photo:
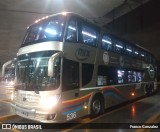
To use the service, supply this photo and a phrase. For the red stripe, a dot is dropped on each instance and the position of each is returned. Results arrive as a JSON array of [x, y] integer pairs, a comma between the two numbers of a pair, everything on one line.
[[69, 102]]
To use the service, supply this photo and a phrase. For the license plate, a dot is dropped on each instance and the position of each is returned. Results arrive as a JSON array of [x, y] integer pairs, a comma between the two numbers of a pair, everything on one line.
[[24, 114]]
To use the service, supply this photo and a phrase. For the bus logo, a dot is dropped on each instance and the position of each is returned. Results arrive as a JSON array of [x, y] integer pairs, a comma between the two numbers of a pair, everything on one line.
[[82, 54]]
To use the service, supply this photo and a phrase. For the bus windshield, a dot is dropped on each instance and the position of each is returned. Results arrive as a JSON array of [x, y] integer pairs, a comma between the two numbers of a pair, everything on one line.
[[32, 74], [45, 30]]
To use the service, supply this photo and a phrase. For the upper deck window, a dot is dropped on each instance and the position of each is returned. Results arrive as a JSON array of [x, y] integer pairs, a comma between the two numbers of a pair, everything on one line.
[[107, 43], [129, 50], [72, 31], [89, 35], [136, 52], [45, 30], [119, 46], [142, 55]]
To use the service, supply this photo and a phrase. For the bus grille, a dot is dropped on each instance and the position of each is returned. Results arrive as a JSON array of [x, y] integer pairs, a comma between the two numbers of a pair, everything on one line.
[[27, 99]]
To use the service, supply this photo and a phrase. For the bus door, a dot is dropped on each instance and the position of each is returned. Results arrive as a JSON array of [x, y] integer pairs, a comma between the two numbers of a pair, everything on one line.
[[70, 89], [70, 79]]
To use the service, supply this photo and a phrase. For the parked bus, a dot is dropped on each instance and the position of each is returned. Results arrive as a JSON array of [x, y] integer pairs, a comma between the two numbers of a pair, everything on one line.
[[8, 73], [68, 67]]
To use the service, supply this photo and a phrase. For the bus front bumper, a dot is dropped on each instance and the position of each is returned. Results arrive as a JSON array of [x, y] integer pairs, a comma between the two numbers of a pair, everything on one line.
[[35, 115]]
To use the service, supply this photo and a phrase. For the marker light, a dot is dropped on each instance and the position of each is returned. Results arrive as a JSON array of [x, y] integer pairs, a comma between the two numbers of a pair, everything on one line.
[[12, 96], [64, 13], [85, 105], [132, 94], [49, 102]]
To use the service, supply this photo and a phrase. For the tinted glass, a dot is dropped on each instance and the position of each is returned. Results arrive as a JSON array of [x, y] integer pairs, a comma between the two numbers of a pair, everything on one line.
[[50, 29], [107, 43], [72, 31]]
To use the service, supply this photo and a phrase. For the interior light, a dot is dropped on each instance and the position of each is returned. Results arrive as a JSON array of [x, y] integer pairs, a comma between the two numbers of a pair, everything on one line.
[[136, 53], [129, 50], [36, 21], [72, 28], [50, 31], [38, 59], [106, 41], [119, 46], [88, 34], [40, 28], [64, 13]]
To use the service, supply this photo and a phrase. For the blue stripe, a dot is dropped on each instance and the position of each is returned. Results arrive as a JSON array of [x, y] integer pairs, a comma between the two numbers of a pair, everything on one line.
[[74, 110], [108, 93], [72, 106]]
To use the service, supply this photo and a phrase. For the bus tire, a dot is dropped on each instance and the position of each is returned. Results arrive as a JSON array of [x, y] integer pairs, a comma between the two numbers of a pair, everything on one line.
[[97, 106]]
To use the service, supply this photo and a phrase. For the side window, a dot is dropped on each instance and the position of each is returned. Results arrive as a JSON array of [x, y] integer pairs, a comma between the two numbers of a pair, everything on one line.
[[129, 50], [72, 31], [121, 76], [129, 76], [119, 48], [107, 43], [136, 52], [89, 35], [134, 76], [70, 75], [106, 76], [87, 72], [142, 55]]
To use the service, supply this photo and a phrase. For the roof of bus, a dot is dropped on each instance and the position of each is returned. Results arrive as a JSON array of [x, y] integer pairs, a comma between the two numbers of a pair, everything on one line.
[[65, 13], [88, 20]]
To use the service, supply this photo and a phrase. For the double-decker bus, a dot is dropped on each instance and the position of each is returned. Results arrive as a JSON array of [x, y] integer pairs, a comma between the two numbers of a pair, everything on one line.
[[68, 67]]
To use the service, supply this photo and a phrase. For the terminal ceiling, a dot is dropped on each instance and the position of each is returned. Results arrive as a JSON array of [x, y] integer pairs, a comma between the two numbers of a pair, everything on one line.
[[16, 15]]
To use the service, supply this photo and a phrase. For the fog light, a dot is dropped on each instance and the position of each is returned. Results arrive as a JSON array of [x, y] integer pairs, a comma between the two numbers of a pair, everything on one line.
[[51, 117]]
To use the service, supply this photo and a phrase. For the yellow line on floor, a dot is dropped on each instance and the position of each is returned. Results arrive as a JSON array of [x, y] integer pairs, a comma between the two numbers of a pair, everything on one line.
[[15, 130], [6, 93], [3, 118], [5, 100], [154, 119]]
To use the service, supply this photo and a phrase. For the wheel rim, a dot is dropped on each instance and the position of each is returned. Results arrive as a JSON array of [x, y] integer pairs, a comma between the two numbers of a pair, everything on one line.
[[96, 106]]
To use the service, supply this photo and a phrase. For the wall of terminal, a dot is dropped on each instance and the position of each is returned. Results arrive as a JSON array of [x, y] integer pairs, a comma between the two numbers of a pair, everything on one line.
[[141, 26]]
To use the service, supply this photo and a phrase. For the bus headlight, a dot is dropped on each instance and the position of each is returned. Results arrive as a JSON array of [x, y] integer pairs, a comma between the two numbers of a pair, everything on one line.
[[49, 102], [11, 83]]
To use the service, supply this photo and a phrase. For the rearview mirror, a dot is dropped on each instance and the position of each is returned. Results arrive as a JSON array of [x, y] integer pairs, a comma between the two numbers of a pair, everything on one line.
[[5, 65], [51, 63]]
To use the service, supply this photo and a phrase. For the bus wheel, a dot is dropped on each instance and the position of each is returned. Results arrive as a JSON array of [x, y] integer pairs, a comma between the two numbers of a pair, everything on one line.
[[97, 106]]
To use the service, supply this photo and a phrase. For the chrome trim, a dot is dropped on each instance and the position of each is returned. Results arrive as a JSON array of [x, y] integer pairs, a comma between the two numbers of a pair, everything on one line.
[[43, 46], [118, 85], [21, 109]]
